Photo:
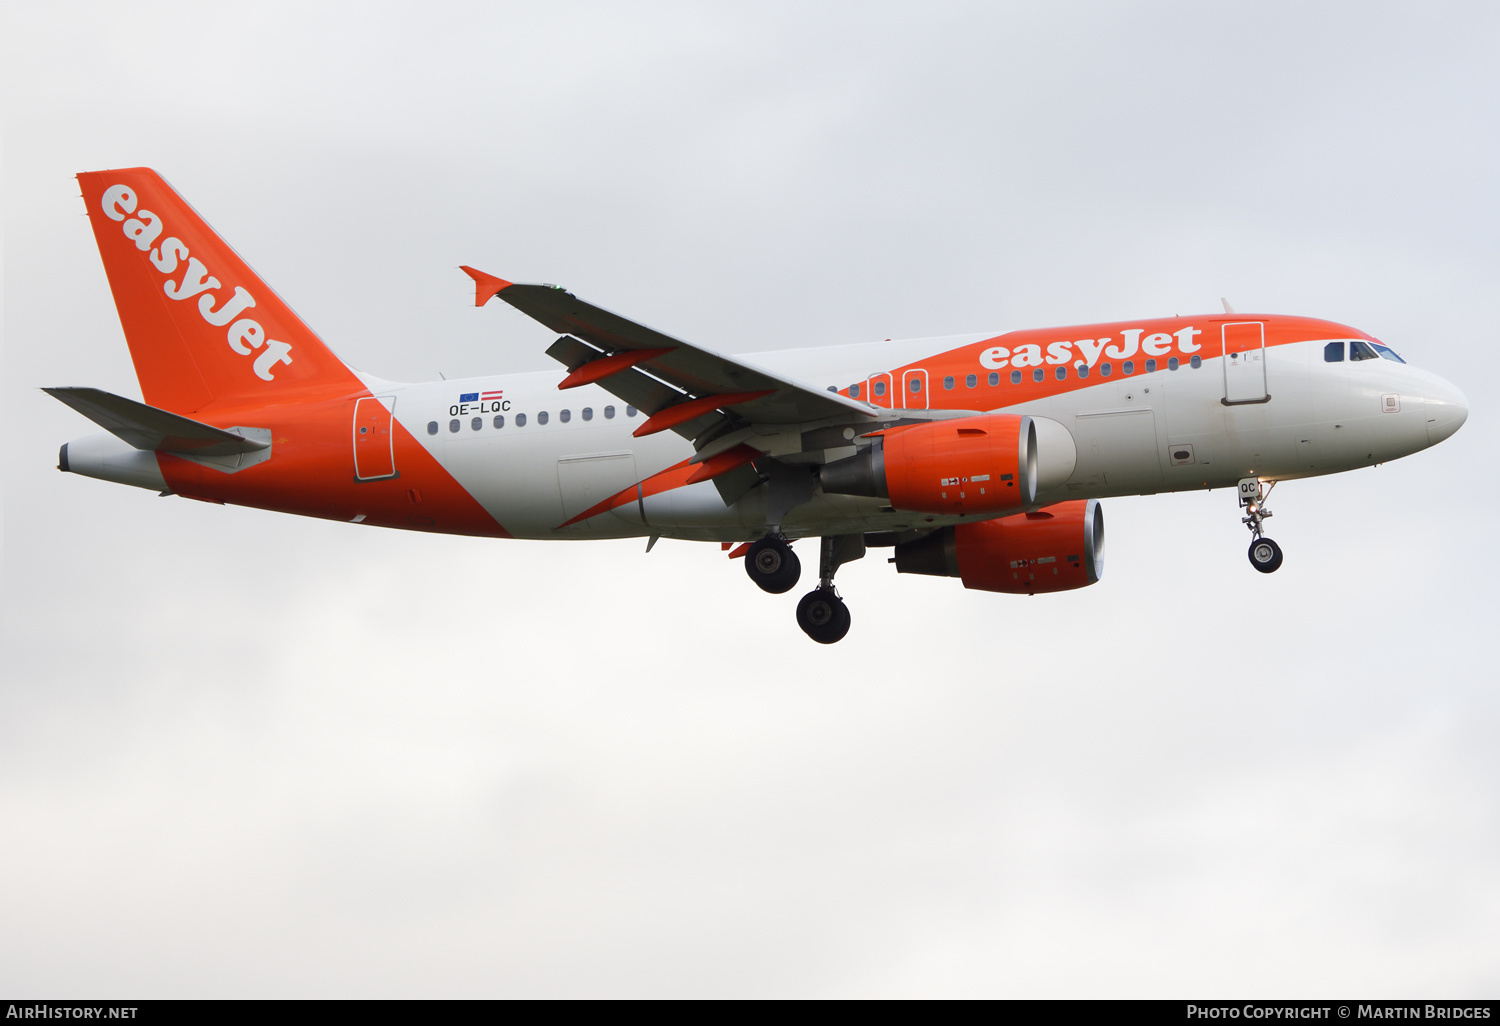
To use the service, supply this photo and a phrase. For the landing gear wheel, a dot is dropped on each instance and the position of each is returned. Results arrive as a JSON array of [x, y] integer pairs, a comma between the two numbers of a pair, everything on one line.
[[773, 566], [823, 616], [1265, 555]]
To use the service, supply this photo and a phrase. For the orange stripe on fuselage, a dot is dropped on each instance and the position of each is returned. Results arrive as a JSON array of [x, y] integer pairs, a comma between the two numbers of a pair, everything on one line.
[[675, 476], [311, 473], [966, 360]]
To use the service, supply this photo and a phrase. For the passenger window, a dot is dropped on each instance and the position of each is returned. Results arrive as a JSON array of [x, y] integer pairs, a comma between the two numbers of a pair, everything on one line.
[[880, 388], [500, 422], [541, 418], [947, 383], [1106, 369], [476, 423], [630, 411], [1127, 368], [994, 378], [432, 427], [565, 416], [1150, 366], [971, 381], [1083, 370], [588, 413], [520, 420], [1333, 352], [1172, 363], [609, 413], [1036, 375], [853, 391], [454, 425], [1359, 351], [1015, 377], [1061, 373], [1197, 362]]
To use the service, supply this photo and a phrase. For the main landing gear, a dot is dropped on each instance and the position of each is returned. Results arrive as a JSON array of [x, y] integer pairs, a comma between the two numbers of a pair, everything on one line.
[[821, 614], [774, 567], [1265, 555]]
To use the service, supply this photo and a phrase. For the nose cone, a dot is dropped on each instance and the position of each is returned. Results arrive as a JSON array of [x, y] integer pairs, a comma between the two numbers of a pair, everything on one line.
[[1447, 409]]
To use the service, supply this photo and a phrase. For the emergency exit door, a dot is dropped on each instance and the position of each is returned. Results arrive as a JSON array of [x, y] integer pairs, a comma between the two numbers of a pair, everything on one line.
[[374, 444], [914, 389], [1245, 362]]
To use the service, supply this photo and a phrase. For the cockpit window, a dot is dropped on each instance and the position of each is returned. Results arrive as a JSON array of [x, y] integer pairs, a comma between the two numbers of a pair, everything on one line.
[[1361, 351], [1387, 352], [1333, 352]]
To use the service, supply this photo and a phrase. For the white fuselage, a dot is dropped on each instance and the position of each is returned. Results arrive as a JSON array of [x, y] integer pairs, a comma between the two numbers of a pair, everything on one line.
[[553, 454]]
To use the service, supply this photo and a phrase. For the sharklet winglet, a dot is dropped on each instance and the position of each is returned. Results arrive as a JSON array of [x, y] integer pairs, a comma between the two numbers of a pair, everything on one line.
[[486, 286]]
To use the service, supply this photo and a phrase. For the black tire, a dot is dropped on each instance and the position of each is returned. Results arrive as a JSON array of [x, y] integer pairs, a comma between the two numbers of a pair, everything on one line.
[[1265, 555], [773, 566], [823, 616]]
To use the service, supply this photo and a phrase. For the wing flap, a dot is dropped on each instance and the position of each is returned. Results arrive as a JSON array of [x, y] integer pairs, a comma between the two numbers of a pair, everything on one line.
[[642, 391]]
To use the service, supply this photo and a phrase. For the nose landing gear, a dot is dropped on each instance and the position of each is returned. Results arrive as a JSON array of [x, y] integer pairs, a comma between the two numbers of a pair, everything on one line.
[[1265, 554]]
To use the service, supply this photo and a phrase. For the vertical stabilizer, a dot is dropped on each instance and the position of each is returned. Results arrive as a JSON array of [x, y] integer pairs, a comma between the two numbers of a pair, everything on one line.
[[202, 327]]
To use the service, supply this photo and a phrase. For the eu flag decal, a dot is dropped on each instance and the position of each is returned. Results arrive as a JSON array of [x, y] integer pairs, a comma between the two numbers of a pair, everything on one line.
[[469, 397]]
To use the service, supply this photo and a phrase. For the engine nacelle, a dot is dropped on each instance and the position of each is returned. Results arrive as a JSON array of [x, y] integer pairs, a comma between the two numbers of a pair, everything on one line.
[[1057, 548], [971, 465]]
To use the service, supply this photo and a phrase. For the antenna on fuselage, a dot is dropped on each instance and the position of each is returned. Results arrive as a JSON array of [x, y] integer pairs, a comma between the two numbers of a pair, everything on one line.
[[1227, 308]]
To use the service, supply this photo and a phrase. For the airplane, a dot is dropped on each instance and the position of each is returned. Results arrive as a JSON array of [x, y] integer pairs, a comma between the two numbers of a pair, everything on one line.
[[981, 457]]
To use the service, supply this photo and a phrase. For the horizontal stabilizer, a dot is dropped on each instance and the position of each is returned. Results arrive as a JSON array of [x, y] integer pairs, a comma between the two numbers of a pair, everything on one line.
[[146, 427]]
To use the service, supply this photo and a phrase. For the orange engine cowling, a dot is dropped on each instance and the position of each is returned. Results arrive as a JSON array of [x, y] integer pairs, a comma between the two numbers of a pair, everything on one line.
[[1057, 548], [970, 465]]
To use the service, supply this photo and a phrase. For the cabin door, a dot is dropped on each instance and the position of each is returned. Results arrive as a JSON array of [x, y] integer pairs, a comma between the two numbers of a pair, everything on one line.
[[1245, 362], [374, 443]]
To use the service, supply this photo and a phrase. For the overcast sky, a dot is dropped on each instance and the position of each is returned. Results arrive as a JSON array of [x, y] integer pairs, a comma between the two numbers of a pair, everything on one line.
[[245, 754]]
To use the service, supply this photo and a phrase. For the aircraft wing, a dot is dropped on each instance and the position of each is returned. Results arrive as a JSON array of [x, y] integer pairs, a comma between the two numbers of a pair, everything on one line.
[[673, 381]]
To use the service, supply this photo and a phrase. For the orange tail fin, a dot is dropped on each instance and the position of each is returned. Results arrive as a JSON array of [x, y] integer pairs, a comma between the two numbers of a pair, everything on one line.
[[202, 327]]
